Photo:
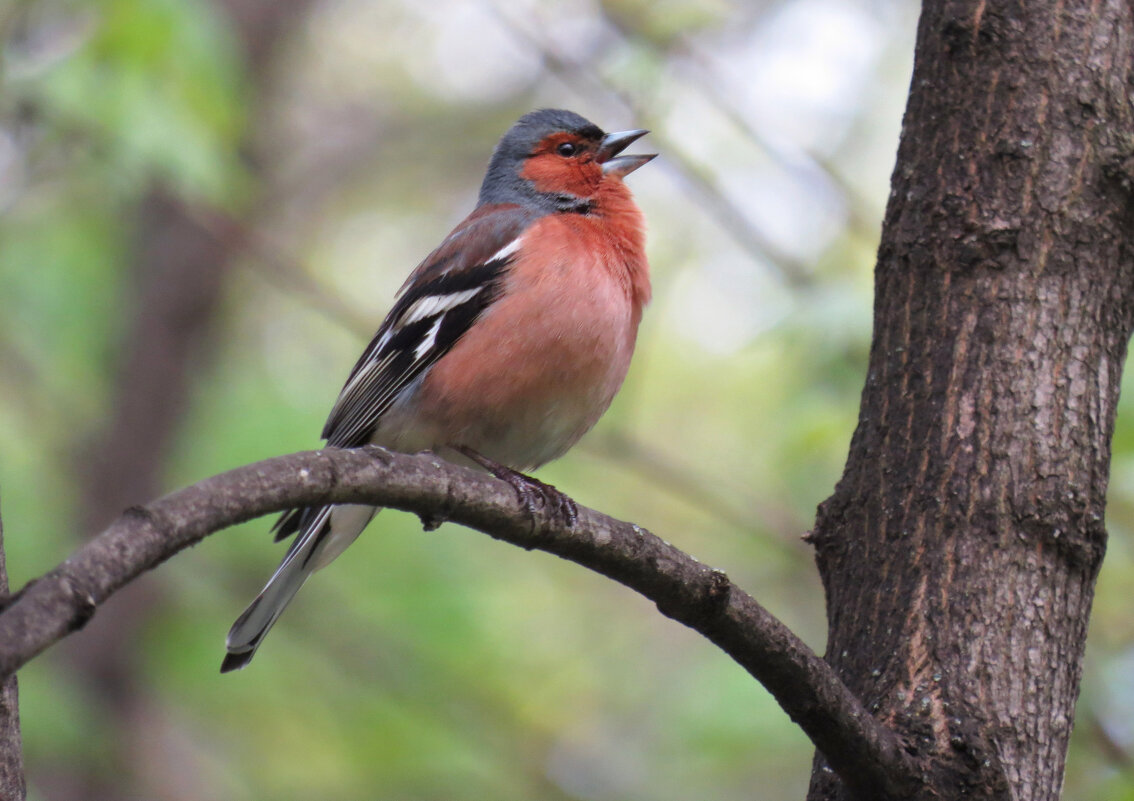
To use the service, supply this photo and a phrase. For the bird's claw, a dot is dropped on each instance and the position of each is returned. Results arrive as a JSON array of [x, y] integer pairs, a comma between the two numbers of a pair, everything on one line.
[[531, 491], [553, 500]]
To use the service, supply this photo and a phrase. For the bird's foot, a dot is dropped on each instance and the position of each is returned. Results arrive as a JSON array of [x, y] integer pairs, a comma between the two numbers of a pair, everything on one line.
[[530, 490], [552, 499]]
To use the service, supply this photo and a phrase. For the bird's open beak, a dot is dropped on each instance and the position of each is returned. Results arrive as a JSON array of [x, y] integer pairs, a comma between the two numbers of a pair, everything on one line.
[[615, 143]]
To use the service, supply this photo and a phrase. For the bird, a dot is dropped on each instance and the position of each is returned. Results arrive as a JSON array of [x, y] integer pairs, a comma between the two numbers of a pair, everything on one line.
[[504, 345]]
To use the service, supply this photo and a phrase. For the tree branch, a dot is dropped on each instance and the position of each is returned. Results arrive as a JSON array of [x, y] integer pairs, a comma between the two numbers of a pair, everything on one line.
[[866, 755]]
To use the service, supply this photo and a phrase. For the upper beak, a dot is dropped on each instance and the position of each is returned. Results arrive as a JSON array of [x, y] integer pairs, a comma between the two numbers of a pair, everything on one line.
[[615, 143]]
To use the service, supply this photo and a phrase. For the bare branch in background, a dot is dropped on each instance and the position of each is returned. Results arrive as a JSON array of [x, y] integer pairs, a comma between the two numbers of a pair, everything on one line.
[[1111, 749], [662, 472], [860, 749], [585, 78], [282, 271], [700, 180], [862, 220]]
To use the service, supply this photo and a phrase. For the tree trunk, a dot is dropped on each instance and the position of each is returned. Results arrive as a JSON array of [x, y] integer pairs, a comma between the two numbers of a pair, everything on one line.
[[12, 784], [180, 269], [960, 548]]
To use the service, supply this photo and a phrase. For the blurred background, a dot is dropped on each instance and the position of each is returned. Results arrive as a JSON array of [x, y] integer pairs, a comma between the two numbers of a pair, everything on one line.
[[205, 210]]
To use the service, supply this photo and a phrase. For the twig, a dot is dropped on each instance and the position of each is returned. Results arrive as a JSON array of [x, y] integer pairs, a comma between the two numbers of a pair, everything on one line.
[[865, 754], [862, 220], [776, 522], [281, 271], [1108, 745]]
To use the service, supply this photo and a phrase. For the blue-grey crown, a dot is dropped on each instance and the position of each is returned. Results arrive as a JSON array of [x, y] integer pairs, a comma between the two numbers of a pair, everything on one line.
[[502, 182]]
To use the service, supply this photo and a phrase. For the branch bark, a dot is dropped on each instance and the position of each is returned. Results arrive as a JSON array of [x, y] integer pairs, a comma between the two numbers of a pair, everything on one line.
[[859, 749]]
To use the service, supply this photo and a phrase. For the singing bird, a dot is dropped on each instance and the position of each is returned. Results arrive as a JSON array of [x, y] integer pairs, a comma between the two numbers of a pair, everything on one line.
[[503, 347]]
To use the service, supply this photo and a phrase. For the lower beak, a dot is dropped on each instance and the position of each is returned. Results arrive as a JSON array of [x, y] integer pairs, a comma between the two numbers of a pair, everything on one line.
[[615, 143]]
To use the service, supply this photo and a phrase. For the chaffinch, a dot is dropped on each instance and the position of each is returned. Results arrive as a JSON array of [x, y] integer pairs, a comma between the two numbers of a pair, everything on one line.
[[504, 346]]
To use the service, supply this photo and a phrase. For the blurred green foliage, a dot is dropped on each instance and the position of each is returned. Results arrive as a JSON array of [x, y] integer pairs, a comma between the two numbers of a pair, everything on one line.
[[444, 665]]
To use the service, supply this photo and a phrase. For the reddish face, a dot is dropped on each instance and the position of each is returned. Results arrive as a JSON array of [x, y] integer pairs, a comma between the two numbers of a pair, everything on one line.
[[564, 163]]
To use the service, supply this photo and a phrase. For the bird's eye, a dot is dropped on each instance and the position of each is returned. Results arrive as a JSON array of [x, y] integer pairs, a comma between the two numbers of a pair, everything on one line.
[[567, 149]]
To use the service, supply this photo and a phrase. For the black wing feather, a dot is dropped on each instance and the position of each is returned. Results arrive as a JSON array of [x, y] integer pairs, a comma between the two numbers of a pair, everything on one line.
[[474, 260], [393, 355]]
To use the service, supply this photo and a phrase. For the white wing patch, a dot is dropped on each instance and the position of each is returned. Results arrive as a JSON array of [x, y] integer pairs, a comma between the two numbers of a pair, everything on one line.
[[428, 341], [507, 250], [413, 339], [437, 304]]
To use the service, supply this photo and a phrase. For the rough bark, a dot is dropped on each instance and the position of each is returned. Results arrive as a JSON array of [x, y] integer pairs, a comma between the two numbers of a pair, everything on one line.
[[12, 785], [960, 548]]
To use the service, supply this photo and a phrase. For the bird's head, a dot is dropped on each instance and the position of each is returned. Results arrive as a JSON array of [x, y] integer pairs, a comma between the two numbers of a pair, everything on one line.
[[557, 160]]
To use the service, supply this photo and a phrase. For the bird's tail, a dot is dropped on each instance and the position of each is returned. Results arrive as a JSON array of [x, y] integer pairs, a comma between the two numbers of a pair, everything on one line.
[[323, 534]]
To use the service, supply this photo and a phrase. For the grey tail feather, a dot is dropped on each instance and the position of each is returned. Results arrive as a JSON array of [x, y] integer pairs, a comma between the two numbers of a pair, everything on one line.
[[254, 623]]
